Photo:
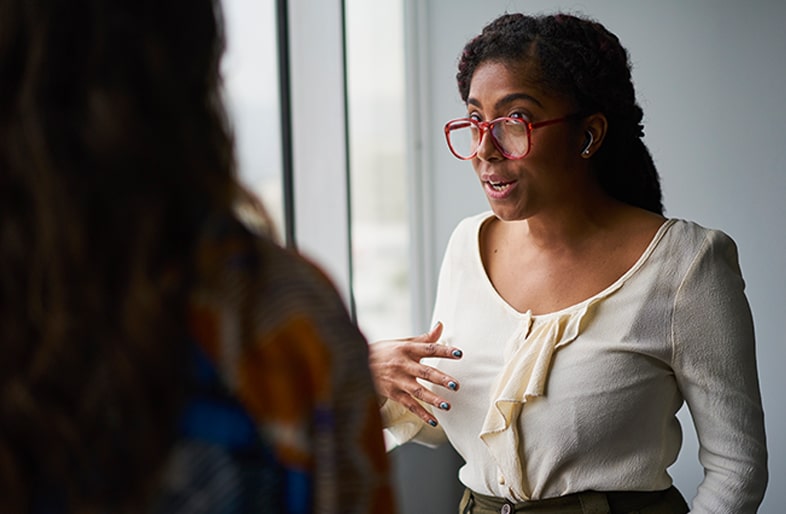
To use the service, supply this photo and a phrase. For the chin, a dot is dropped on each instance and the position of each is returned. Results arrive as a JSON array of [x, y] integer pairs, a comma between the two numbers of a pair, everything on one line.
[[508, 214]]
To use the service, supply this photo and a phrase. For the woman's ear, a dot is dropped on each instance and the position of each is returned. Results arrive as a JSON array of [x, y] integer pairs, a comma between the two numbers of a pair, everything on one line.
[[595, 126]]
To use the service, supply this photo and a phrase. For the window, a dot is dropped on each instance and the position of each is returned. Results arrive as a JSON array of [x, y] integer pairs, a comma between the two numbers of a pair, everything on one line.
[[377, 162], [374, 234], [250, 69]]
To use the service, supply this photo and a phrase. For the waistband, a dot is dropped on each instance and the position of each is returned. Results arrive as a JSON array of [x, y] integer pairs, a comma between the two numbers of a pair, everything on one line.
[[668, 501]]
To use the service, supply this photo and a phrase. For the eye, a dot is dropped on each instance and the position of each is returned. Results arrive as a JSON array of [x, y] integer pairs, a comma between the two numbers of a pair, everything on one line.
[[474, 116], [519, 116]]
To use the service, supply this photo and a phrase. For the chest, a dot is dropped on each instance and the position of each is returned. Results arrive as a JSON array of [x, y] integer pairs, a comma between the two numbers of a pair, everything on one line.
[[614, 363], [549, 283], [541, 277]]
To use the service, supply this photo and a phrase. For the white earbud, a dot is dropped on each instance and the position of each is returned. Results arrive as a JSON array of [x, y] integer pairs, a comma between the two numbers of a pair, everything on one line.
[[588, 144]]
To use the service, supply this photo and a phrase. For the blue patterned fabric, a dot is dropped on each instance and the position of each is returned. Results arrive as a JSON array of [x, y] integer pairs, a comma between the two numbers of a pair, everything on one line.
[[222, 464]]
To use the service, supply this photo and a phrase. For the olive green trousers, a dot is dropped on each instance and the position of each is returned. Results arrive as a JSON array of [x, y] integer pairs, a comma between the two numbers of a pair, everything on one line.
[[668, 501]]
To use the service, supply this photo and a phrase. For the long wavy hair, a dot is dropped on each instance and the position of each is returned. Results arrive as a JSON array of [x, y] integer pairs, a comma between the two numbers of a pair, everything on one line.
[[580, 59], [113, 147]]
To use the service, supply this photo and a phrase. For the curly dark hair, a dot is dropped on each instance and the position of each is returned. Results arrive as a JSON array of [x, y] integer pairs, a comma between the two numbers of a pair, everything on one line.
[[580, 59], [114, 145]]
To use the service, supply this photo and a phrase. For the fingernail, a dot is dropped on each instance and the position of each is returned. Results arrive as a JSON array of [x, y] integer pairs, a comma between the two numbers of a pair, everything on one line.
[[457, 353], [435, 326], [432, 422], [444, 406], [453, 385]]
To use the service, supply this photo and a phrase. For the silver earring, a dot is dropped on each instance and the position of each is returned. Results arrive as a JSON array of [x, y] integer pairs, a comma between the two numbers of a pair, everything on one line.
[[590, 140]]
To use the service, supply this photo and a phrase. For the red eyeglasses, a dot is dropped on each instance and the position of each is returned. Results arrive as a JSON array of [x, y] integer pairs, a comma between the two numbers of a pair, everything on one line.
[[511, 136]]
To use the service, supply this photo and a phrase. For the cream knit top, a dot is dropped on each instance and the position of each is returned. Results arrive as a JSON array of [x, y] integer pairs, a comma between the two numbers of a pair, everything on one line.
[[585, 398]]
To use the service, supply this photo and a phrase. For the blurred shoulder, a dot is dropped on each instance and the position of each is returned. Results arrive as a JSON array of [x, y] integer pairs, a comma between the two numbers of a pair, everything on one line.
[[247, 280], [232, 254]]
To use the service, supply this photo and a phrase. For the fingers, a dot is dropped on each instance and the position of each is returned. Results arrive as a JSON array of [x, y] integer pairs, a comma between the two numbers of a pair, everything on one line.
[[409, 397], [400, 375], [405, 370], [436, 377], [432, 348], [403, 381], [425, 395]]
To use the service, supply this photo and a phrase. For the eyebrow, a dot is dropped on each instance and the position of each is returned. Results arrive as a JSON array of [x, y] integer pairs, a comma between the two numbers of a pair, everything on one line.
[[508, 99]]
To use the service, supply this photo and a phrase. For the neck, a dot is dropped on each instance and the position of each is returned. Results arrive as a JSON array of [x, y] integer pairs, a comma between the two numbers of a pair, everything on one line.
[[568, 227]]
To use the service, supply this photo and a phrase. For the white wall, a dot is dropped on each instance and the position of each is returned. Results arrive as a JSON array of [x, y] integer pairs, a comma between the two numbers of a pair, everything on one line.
[[710, 75]]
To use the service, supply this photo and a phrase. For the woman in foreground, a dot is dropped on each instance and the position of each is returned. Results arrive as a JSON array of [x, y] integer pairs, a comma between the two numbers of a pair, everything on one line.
[[158, 355]]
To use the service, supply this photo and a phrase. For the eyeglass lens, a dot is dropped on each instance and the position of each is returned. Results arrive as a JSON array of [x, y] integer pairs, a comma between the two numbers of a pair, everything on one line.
[[509, 134]]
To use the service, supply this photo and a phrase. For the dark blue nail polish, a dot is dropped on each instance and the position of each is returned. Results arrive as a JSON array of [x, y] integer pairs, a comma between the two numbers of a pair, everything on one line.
[[457, 353], [453, 385], [432, 422], [444, 406]]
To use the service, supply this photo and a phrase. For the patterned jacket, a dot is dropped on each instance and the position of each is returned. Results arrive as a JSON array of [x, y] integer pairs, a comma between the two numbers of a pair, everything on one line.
[[282, 416]]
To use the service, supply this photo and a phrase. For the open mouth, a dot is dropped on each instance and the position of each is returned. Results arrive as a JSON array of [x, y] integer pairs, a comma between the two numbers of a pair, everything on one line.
[[499, 186]]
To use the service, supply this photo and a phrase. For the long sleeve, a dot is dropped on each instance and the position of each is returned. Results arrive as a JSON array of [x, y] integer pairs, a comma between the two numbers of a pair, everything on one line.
[[401, 426], [715, 365]]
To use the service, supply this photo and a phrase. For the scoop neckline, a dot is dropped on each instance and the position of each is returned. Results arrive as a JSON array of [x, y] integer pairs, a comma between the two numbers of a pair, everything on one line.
[[664, 227]]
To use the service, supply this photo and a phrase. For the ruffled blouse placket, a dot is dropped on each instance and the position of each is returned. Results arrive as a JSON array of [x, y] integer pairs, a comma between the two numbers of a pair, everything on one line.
[[528, 356]]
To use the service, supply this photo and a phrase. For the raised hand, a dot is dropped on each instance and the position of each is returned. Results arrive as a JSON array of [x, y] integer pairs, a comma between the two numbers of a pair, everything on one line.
[[395, 365]]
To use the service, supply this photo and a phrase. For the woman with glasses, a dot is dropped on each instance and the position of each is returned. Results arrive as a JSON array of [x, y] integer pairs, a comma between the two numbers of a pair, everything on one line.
[[574, 319]]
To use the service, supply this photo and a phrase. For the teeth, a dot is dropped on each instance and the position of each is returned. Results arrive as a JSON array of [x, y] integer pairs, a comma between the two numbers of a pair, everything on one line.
[[498, 186]]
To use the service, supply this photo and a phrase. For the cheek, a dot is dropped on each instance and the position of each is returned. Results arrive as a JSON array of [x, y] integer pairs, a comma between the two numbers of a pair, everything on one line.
[[556, 150]]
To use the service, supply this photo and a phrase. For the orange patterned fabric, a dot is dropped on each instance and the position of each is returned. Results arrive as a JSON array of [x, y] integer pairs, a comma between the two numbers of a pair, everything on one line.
[[284, 346]]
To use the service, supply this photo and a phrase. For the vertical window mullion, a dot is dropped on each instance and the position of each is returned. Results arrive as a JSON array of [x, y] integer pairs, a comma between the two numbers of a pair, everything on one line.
[[285, 122]]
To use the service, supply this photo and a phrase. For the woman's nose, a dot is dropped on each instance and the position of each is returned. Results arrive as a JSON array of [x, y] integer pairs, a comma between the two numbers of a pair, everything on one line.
[[487, 150]]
